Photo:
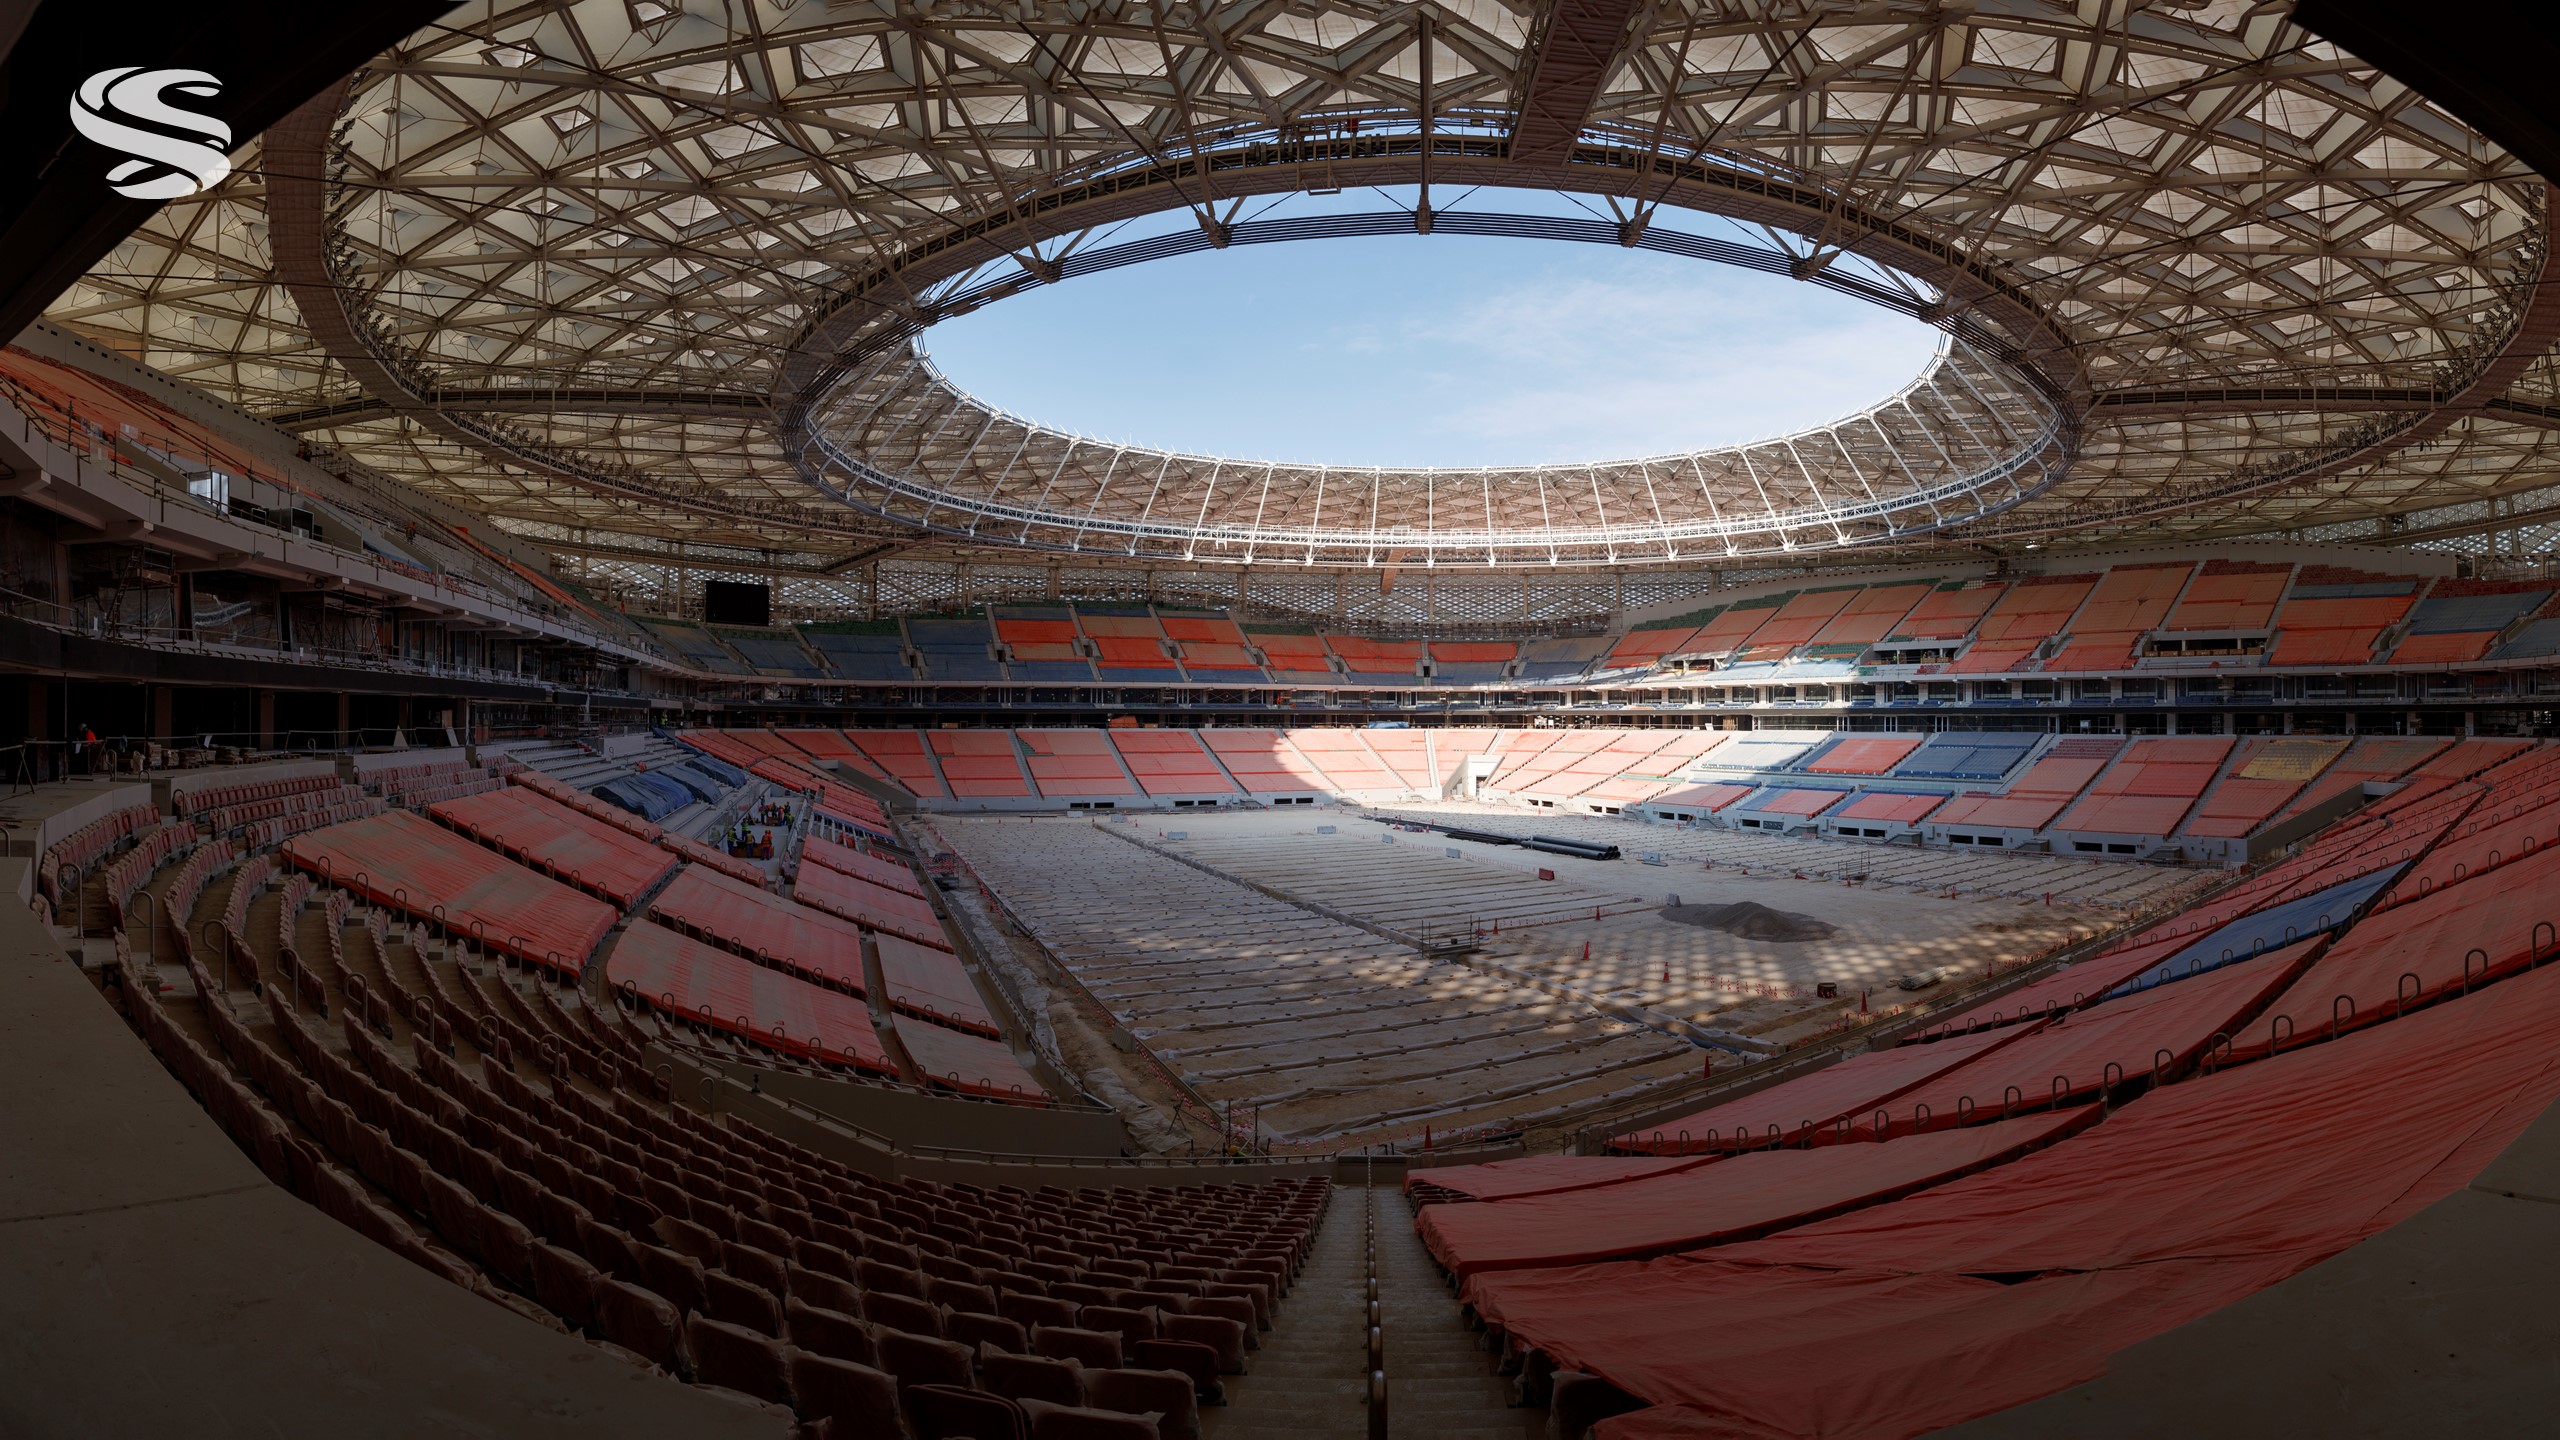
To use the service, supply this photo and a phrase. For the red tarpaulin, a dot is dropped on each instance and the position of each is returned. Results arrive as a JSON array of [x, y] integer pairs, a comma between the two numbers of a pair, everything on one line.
[[1546, 1174], [420, 868], [967, 1062], [1852, 1087], [872, 906], [1746, 1194], [585, 851], [2181, 1202], [2477, 930], [1739, 1353], [845, 860], [682, 976], [585, 804], [2083, 1050], [2309, 1150], [741, 917], [931, 983]]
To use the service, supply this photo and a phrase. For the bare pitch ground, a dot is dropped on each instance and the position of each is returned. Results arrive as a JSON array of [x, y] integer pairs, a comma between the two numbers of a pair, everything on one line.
[[1411, 882], [1347, 978], [1303, 1012]]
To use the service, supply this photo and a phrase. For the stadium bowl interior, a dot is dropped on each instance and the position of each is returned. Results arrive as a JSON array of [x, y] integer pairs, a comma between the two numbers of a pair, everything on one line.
[[599, 844]]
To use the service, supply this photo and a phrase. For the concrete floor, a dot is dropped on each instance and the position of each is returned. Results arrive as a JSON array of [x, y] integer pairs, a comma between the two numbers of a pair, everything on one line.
[[1306, 1382], [156, 1282]]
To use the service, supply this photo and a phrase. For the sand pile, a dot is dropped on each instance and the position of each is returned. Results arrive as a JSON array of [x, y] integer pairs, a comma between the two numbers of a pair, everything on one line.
[[1750, 920]]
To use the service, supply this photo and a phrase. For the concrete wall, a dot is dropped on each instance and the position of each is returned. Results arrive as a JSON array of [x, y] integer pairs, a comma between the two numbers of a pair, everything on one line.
[[373, 760]]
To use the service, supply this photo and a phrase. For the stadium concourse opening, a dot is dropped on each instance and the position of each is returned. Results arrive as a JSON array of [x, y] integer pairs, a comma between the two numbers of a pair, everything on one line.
[[600, 847]]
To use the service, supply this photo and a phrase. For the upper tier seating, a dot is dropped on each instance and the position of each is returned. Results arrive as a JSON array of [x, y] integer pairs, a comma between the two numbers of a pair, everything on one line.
[[697, 645], [1044, 643], [865, 655], [1211, 647], [2027, 614], [2459, 620], [1949, 612], [956, 649], [2230, 595], [1295, 659], [1129, 643], [1549, 660], [770, 652], [2127, 603]]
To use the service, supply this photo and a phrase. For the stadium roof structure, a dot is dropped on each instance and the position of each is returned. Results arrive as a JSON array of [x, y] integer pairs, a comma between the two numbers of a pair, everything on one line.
[[637, 275]]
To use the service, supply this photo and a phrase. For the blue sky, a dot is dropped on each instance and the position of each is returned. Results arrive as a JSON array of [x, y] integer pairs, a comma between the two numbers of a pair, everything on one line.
[[1431, 350]]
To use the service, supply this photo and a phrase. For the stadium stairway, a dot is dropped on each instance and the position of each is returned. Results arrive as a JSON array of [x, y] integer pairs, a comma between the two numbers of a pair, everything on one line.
[[1306, 1378], [1437, 1383]]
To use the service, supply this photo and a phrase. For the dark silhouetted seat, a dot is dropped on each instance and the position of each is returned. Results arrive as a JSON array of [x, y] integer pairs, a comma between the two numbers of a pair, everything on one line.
[[922, 1359], [566, 1284], [1032, 1377], [688, 1238], [952, 1412], [1029, 1310], [640, 1321], [1099, 1349], [736, 1358], [677, 1276], [737, 1302], [916, 1317], [972, 1329], [1225, 1338], [954, 1295], [1069, 1422], [861, 1401], [1129, 1324], [1168, 1395], [831, 1333], [819, 1288], [877, 1278], [1187, 1357], [757, 1267]]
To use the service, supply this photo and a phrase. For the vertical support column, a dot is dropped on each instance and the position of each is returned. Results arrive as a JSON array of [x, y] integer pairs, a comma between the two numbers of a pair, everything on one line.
[[266, 719], [344, 705], [164, 712]]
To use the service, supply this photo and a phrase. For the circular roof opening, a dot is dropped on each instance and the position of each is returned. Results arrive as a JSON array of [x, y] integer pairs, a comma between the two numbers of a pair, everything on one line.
[[1431, 351], [1621, 365]]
